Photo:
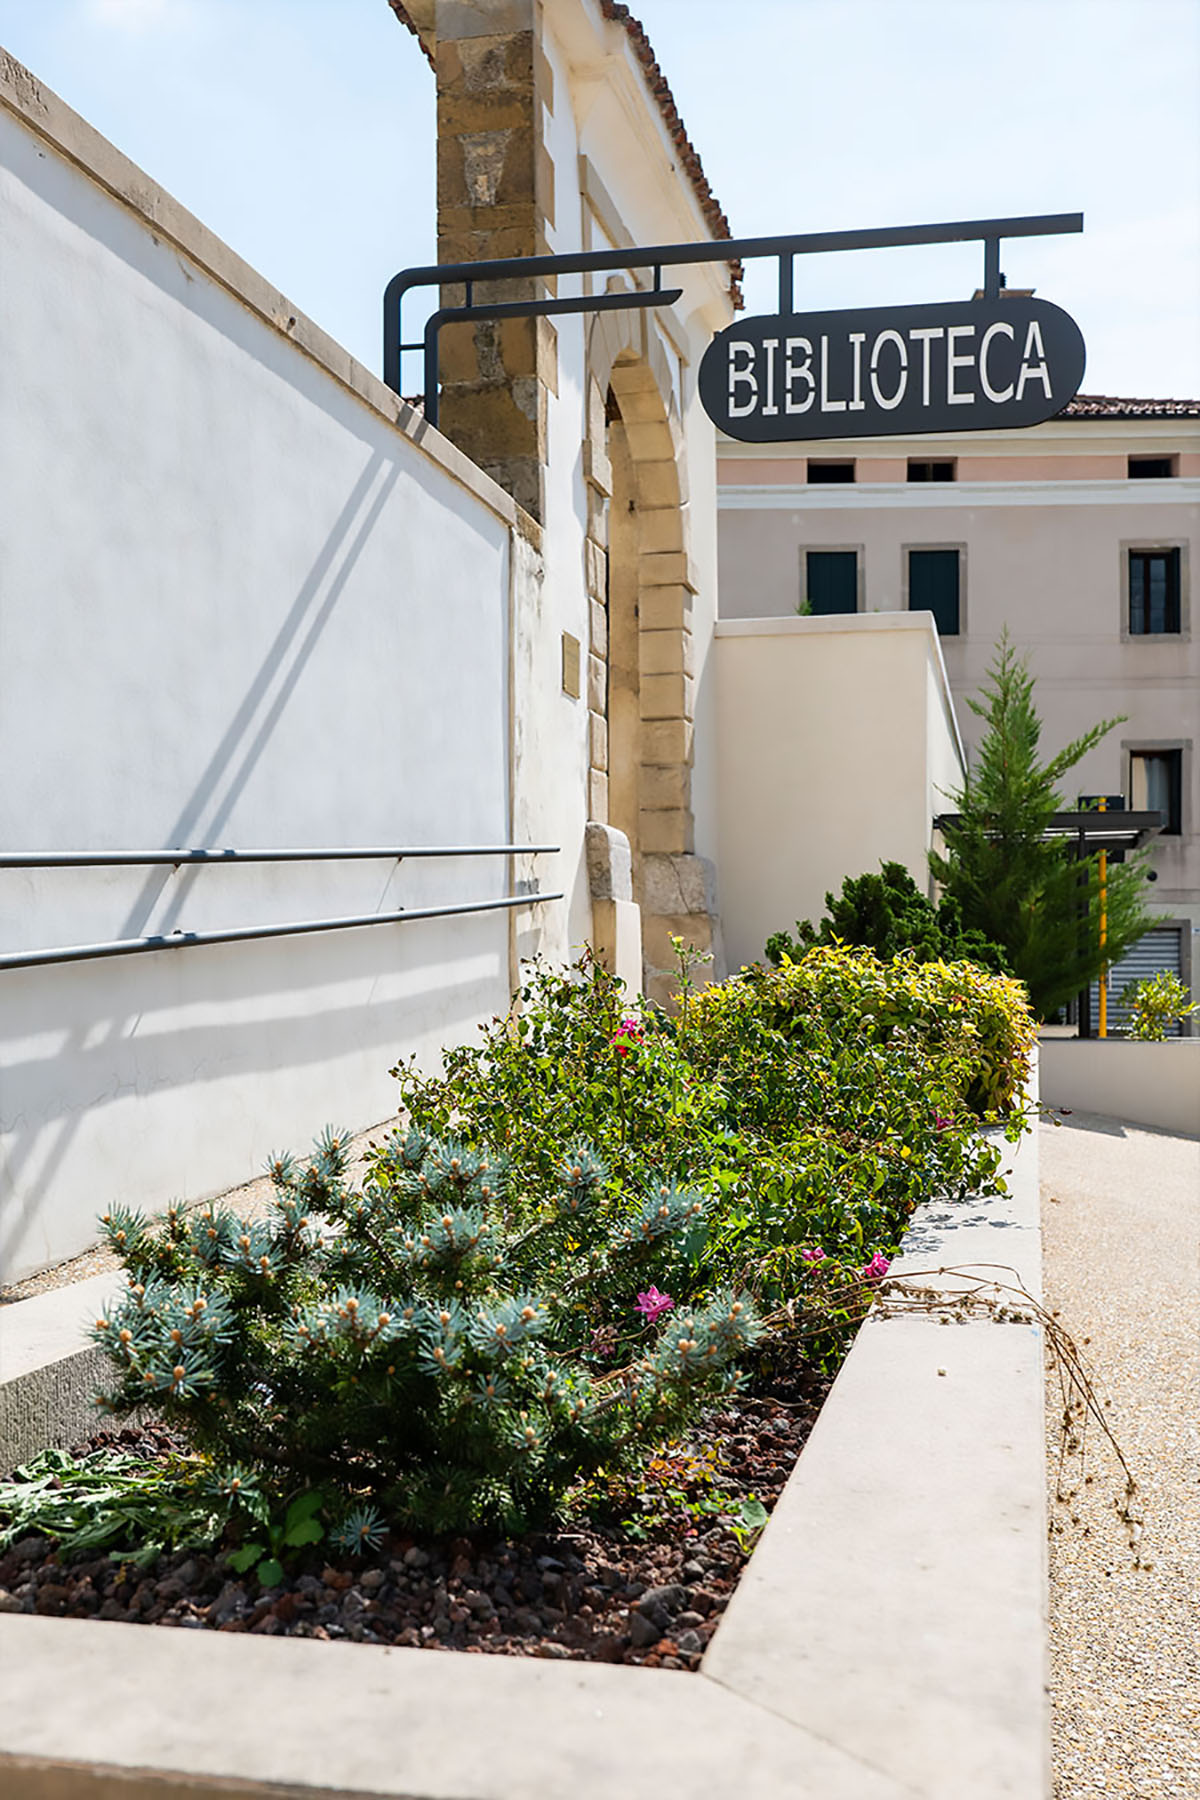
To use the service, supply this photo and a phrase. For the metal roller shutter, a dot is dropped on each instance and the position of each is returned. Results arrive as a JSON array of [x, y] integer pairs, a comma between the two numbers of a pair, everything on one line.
[[1159, 949]]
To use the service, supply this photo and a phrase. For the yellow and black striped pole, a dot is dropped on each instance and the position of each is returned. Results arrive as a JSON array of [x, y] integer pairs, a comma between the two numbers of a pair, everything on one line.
[[1102, 1023]]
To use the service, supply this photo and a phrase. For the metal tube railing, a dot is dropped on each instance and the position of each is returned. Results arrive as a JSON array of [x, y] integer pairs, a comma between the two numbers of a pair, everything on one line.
[[104, 859], [185, 940]]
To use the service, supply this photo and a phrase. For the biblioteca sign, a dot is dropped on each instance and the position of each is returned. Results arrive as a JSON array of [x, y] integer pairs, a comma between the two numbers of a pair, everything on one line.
[[891, 371], [1003, 360]]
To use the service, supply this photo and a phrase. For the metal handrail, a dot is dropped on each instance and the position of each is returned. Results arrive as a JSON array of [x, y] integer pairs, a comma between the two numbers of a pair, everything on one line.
[[103, 859], [186, 940]]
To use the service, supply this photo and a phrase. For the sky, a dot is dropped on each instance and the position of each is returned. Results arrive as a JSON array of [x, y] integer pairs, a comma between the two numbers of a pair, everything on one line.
[[302, 132]]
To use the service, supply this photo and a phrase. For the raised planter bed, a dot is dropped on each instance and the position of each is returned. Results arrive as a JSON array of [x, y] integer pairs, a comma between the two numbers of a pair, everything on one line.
[[650, 1596], [1147, 1084], [886, 1640]]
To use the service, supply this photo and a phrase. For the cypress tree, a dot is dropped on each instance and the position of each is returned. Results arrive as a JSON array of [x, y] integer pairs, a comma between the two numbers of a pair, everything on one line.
[[1026, 891]]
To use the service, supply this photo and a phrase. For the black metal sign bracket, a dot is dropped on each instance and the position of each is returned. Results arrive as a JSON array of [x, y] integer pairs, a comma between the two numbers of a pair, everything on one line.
[[660, 256]]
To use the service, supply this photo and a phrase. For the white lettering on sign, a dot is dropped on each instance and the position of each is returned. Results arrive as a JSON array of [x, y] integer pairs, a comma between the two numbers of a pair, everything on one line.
[[977, 365], [953, 333], [743, 377], [828, 405], [1033, 342], [884, 338], [997, 396], [770, 345], [925, 335], [857, 340], [793, 372]]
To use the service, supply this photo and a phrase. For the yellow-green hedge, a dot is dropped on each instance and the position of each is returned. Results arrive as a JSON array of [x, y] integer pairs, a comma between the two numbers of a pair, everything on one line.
[[976, 1026]]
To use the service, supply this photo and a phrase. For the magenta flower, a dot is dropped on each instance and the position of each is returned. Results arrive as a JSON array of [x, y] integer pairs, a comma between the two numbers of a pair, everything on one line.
[[652, 1305], [876, 1269], [813, 1256], [628, 1034], [941, 1124]]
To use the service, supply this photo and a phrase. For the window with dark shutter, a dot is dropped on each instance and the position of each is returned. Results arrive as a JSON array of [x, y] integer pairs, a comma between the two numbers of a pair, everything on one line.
[[831, 581], [1153, 592], [933, 586]]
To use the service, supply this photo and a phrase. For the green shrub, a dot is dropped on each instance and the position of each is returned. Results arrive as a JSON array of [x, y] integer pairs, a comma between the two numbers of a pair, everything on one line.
[[573, 1060], [973, 1030], [857, 1087], [1155, 1004], [455, 1340], [889, 914], [421, 1340], [765, 1094]]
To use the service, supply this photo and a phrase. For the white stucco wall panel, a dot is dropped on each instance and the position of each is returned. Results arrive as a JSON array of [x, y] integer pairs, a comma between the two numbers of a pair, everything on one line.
[[830, 752], [240, 608], [243, 544], [175, 1075]]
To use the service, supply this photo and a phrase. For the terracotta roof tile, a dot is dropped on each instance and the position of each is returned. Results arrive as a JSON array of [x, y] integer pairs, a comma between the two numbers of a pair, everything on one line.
[[401, 12], [1109, 406], [656, 81]]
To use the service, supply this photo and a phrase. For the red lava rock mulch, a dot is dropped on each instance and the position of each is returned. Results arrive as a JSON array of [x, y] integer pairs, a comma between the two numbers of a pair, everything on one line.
[[591, 1593]]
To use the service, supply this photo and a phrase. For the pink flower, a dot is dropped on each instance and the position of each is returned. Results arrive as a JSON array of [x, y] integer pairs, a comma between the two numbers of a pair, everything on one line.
[[628, 1034], [813, 1256], [941, 1124], [652, 1304], [876, 1269]]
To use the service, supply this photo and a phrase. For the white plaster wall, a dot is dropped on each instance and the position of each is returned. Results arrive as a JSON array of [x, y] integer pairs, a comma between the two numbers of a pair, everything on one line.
[[833, 736], [240, 607], [1148, 1084]]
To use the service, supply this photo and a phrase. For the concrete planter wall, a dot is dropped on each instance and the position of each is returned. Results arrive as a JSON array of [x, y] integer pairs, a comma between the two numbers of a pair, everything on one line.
[[887, 1641], [1148, 1084]]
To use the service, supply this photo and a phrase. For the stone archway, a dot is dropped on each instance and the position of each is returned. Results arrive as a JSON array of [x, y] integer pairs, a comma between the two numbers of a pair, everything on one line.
[[641, 667]]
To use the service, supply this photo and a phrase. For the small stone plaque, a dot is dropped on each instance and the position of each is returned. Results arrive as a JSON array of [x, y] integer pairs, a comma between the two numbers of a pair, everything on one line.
[[570, 665]]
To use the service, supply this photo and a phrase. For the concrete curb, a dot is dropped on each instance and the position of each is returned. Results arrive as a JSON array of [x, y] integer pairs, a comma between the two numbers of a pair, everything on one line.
[[48, 1383], [1155, 1085], [888, 1638]]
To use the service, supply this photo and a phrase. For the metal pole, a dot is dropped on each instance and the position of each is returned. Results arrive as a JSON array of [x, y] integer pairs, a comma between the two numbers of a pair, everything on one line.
[[991, 268], [1102, 1023], [137, 859], [188, 940], [527, 309]]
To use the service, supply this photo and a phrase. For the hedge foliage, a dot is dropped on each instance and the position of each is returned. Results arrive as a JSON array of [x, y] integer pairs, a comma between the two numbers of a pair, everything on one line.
[[564, 1250]]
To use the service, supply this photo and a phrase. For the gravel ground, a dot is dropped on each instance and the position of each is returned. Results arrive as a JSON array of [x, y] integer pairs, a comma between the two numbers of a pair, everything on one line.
[[251, 1201], [1121, 1218], [586, 1594]]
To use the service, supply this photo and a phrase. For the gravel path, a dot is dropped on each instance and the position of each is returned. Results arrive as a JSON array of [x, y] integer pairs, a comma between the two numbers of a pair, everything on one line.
[[1121, 1218]]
